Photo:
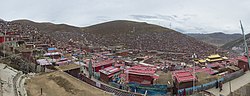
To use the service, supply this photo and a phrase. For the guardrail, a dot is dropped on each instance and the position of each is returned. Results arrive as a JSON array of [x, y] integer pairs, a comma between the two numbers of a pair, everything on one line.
[[234, 75], [108, 88], [105, 87], [202, 87], [15, 79]]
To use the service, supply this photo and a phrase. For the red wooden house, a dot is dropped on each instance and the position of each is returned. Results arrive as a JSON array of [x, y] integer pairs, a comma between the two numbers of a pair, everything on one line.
[[243, 63], [2, 39], [141, 74], [101, 64], [106, 74], [183, 79]]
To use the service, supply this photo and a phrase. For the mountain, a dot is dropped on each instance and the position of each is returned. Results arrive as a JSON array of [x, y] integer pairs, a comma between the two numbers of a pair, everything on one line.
[[130, 34], [217, 39], [141, 35], [49, 27], [57, 32], [237, 44]]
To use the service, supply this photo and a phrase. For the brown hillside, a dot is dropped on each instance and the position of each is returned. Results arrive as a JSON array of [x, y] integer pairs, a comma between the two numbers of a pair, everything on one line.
[[49, 27], [139, 35]]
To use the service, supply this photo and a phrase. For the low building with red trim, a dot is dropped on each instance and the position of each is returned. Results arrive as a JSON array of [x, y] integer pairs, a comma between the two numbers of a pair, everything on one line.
[[142, 74], [98, 65], [243, 63], [2, 39], [107, 74], [183, 79], [55, 55]]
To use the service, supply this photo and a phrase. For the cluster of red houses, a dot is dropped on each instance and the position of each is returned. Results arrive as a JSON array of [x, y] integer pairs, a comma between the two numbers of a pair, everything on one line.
[[109, 69]]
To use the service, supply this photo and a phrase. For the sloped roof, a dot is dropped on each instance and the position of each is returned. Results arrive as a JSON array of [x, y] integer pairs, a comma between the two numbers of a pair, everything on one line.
[[242, 58], [142, 70], [183, 76], [50, 49], [214, 56], [110, 70]]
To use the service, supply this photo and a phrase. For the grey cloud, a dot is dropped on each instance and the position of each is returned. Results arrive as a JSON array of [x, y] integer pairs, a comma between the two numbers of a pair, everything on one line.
[[143, 17]]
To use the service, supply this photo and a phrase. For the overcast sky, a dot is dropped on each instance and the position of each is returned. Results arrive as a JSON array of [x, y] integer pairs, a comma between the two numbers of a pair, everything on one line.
[[200, 16]]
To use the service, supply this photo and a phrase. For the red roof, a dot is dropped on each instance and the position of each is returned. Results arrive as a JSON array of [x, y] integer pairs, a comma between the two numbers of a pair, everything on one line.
[[100, 63], [186, 78], [110, 70], [177, 71], [142, 70], [242, 58], [183, 76]]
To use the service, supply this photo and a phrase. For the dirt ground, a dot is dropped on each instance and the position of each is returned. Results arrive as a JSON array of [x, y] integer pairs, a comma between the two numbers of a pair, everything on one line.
[[60, 84], [164, 78]]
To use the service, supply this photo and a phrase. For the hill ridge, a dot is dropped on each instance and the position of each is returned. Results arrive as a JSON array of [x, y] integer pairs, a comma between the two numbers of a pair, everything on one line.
[[130, 34]]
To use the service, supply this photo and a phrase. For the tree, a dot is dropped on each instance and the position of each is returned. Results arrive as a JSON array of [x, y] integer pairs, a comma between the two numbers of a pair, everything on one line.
[[90, 69]]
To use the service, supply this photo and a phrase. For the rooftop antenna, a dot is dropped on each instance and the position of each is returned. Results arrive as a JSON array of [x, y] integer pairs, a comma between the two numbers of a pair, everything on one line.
[[194, 56], [245, 43]]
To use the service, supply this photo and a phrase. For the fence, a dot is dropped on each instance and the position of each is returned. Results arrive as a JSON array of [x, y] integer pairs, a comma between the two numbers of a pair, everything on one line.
[[106, 87], [152, 90], [200, 87], [234, 75], [212, 84], [119, 86], [18, 75], [142, 89]]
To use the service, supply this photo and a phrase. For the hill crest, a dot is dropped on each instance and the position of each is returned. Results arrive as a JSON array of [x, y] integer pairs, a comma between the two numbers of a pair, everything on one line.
[[130, 34]]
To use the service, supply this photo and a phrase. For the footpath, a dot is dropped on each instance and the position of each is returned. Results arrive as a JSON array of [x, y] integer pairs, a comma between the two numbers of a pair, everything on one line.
[[235, 84]]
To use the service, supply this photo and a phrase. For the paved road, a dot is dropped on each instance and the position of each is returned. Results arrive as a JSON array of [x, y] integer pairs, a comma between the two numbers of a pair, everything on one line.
[[20, 85], [235, 84], [7, 75]]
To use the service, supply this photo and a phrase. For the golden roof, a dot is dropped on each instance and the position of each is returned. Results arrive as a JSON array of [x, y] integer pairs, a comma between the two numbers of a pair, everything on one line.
[[214, 56]]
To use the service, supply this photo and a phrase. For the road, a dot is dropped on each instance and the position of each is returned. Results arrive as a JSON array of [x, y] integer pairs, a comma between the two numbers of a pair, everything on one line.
[[235, 84], [20, 85], [7, 75], [12, 81]]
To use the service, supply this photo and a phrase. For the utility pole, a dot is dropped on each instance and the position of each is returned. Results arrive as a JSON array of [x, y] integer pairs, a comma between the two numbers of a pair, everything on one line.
[[194, 56], [41, 91], [245, 43], [90, 69]]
